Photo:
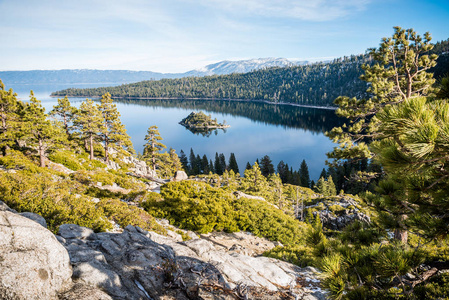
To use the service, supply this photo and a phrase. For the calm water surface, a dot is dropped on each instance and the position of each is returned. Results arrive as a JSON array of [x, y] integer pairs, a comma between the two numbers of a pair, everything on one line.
[[284, 133]]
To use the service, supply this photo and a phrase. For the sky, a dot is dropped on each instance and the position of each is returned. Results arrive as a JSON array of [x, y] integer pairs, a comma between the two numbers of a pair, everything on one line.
[[173, 36]]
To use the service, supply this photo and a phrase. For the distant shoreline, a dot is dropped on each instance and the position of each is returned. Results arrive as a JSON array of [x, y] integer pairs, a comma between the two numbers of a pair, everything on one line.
[[211, 99]]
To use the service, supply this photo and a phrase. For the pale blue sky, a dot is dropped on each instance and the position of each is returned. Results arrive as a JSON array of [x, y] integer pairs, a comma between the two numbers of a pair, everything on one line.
[[180, 35]]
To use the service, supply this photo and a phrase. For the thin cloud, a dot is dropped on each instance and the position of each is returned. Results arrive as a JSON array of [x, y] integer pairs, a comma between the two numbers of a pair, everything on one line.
[[307, 10]]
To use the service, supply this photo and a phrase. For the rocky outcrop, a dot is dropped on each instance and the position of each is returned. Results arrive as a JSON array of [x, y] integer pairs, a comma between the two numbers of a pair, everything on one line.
[[180, 175], [339, 211], [239, 242], [33, 264], [333, 222], [140, 167], [136, 264]]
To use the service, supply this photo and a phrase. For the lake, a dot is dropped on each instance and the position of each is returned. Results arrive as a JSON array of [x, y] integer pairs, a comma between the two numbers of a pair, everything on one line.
[[283, 132]]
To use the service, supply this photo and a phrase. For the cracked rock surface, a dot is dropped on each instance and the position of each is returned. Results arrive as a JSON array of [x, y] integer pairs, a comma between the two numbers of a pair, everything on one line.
[[33, 264], [136, 264]]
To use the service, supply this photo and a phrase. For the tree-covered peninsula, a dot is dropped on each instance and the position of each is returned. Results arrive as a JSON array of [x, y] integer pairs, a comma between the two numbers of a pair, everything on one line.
[[317, 84]]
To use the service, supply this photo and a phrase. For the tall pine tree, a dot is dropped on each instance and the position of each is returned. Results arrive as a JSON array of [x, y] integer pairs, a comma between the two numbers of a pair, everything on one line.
[[9, 108], [114, 132], [65, 112], [37, 130], [304, 177], [153, 147], [233, 164], [90, 123], [399, 74]]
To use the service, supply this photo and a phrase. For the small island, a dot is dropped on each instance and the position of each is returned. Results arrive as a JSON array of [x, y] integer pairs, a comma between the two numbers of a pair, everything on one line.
[[200, 121]]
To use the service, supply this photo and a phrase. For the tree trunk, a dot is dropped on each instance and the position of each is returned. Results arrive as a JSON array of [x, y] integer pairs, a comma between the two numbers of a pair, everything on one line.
[[41, 153], [153, 157], [401, 234], [66, 125], [91, 139], [106, 150], [86, 145]]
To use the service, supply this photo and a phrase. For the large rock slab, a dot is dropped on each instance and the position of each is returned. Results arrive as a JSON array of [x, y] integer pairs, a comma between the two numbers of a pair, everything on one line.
[[33, 264], [137, 264]]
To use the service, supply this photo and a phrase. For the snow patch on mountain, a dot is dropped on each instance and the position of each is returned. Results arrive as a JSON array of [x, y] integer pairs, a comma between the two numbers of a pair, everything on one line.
[[243, 66]]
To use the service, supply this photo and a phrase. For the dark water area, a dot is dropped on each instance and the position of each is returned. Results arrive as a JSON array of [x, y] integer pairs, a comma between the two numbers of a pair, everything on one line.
[[283, 132]]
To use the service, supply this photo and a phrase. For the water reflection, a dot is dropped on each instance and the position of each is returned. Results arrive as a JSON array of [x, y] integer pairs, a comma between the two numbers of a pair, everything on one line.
[[205, 132], [287, 116]]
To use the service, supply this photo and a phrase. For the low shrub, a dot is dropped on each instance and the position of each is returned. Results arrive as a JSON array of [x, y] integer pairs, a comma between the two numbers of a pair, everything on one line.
[[67, 159], [202, 208]]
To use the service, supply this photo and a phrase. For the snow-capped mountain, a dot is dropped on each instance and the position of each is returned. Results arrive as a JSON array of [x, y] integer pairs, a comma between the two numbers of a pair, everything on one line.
[[115, 77], [243, 66]]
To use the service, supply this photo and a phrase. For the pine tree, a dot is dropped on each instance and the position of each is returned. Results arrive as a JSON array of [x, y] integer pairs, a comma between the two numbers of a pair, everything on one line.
[[217, 165], [9, 108], [266, 166], [276, 184], [223, 166], [65, 112], [323, 173], [399, 74], [211, 166], [282, 170], [321, 187], [253, 180], [304, 174], [205, 164], [153, 147], [248, 166], [37, 130], [184, 161], [90, 123], [175, 161], [114, 131], [331, 190], [199, 164], [414, 156], [233, 164], [193, 164]]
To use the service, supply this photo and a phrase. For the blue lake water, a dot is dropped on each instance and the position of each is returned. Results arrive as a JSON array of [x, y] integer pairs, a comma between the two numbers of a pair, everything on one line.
[[284, 133]]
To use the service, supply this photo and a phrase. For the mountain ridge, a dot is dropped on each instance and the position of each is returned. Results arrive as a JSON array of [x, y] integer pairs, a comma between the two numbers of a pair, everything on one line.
[[82, 76]]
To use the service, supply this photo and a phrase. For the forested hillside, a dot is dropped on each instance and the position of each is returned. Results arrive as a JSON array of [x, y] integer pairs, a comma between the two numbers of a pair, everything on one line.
[[314, 84]]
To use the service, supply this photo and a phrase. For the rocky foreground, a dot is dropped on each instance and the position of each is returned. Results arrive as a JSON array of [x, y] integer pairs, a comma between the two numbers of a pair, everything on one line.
[[136, 264]]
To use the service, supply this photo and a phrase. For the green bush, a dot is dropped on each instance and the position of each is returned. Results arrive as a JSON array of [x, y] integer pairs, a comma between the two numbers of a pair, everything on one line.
[[54, 200], [202, 208], [66, 158], [195, 206], [93, 164], [18, 161], [299, 255]]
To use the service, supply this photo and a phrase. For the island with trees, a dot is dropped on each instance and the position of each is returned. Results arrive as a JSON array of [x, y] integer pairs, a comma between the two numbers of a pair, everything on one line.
[[201, 121]]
